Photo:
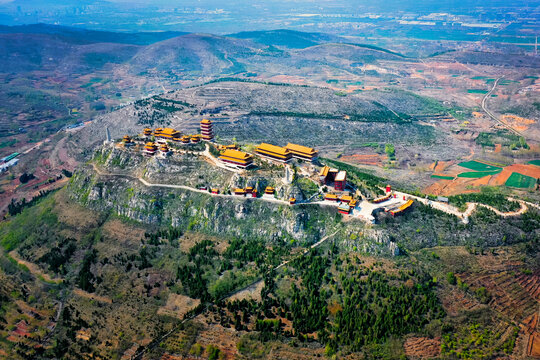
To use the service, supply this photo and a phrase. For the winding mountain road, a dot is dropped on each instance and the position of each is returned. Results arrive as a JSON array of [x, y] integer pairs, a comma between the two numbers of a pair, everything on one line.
[[491, 115], [447, 208]]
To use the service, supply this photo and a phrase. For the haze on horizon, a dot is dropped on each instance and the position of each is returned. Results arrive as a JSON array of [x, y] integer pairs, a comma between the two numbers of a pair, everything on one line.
[[218, 17]]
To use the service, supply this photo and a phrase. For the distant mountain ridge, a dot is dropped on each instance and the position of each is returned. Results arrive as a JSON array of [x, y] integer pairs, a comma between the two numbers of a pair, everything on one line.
[[75, 51], [84, 36], [288, 38]]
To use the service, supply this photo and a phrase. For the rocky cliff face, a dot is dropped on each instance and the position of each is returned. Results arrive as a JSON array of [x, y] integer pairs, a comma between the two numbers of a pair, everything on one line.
[[200, 212]]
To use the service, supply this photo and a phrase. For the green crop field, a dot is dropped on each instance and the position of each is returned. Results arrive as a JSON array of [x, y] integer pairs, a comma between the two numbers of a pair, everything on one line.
[[442, 177], [508, 82], [535, 162], [478, 166], [477, 91], [521, 181], [478, 174]]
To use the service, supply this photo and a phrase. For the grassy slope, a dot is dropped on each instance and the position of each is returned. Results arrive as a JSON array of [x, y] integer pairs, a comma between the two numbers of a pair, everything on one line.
[[133, 274]]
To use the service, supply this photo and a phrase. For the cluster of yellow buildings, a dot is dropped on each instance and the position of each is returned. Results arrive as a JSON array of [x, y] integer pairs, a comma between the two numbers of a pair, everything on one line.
[[230, 155], [250, 191], [347, 202], [333, 175], [169, 134], [276, 153], [286, 153], [163, 135]]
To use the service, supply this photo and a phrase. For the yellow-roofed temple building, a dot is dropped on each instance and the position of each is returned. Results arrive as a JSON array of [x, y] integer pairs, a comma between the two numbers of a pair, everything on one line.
[[167, 134], [274, 152], [127, 141], [207, 130], [150, 148], [302, 152], [236, 158]]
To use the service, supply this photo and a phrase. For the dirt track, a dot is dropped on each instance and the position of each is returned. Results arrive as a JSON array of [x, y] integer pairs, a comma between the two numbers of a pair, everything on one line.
[[34, 269]]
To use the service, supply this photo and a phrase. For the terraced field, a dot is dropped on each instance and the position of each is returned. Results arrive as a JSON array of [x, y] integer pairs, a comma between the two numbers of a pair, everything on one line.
[[458, 301], [422, 348], [533, 347], [531, 284], [509, 297]]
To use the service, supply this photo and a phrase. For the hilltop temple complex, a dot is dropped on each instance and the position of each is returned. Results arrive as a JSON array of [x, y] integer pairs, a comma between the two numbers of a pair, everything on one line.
[[168, 139]]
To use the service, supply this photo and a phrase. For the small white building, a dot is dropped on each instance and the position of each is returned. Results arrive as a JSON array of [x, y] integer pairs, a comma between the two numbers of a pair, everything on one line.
[[7, 165]]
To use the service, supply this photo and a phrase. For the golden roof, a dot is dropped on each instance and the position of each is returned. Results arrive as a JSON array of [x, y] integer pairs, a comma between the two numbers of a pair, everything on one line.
[[324, 171], [384, 197], [235, 154], [330, 196], [346, 198], [150, 144], [167, 131], [205, 121], [238, 190], [406, 205], [273, 149], [300, 149]]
